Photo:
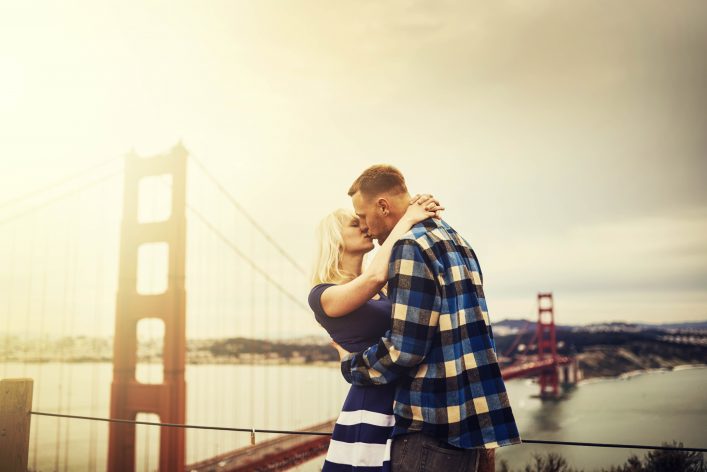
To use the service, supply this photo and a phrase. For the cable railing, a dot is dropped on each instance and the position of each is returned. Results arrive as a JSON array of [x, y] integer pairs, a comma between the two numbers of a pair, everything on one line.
[[16, 412], [319, 433]]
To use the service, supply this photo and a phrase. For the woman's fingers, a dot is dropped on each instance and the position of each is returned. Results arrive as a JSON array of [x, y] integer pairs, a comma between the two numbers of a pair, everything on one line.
[[424, 198], [432, 202], [435, 211], [426, 201], [421, 199], [430, 205]]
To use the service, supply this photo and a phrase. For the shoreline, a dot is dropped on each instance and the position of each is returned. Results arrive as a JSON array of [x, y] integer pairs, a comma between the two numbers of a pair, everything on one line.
[[638, 372]]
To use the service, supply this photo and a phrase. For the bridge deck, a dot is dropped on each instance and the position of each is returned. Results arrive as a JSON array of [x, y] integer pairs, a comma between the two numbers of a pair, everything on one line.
[[280, 453], [532, 367]]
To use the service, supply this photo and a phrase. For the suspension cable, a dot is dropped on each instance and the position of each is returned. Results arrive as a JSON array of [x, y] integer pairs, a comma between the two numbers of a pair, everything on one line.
[[59, 197], [56, 183], [247, 215], [252, 263]]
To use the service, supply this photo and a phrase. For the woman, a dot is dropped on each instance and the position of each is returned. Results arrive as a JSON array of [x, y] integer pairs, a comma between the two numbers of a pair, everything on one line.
[[350, 304]]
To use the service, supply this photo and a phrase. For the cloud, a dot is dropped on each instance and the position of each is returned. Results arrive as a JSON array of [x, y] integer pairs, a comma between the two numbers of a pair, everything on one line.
[[565, 140], [652, 256]]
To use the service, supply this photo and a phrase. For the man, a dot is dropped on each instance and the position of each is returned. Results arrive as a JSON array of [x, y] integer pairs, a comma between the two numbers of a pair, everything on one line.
[[451, 407]]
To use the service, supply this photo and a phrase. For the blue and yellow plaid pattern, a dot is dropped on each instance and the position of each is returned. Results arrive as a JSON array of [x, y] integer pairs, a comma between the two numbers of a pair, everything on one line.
[[440, 349]]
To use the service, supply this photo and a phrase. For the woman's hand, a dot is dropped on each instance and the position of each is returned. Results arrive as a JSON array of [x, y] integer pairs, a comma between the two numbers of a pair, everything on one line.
[[422, 207]]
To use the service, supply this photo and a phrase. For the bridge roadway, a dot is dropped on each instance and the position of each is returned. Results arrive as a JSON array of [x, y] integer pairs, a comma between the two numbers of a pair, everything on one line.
[[280, 453], [532, 367], [287, 451]]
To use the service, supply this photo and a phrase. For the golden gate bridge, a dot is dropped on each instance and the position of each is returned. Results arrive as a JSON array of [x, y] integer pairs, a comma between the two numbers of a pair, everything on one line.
[[224, 275]]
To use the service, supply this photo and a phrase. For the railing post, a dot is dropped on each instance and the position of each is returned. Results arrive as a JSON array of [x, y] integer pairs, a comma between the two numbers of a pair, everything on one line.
[[15, 407]]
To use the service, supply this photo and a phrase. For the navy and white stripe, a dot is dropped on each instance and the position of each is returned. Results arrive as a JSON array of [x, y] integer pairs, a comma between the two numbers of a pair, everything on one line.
[[361, 439]]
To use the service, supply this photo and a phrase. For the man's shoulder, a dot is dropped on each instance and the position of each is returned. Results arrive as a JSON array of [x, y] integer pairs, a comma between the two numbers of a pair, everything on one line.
[[438, 240], [430, 231]]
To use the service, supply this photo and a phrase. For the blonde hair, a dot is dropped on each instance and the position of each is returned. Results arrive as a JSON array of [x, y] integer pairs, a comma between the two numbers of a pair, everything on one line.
[[330, 248]]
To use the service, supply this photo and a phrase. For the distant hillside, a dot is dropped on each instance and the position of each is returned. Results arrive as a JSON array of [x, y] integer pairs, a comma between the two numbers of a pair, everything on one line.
[[602, 349], [511, 326], [612, 349], [246, 350], [606, 349], [701, 325]]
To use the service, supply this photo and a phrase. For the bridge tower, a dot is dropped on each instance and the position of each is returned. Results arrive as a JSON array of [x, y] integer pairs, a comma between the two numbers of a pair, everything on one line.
[[547, 346], [128, 396]]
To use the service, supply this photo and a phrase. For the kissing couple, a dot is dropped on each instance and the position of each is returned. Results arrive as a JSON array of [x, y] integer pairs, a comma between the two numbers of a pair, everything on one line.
[[413, 334]]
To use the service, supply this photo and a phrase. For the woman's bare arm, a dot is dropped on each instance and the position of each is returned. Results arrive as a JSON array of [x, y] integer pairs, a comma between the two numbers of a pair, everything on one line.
[[339, 300]]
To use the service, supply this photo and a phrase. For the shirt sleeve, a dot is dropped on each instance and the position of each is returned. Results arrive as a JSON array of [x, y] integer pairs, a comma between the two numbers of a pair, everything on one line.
[[315, 301], [414, 293]]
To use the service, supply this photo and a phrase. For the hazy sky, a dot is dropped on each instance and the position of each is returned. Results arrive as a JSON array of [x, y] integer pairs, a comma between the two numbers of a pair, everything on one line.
[[567, 140]]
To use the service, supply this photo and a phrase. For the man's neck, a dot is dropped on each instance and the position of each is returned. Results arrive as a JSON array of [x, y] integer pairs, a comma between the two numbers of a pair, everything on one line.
[[398, 206]]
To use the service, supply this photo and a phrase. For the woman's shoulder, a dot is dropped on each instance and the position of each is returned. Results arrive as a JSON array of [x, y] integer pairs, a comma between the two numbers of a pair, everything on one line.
[[315, 297], [319, 288]]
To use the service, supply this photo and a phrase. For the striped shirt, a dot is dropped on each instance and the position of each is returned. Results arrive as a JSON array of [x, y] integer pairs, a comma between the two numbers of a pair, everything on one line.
[[440, 350]]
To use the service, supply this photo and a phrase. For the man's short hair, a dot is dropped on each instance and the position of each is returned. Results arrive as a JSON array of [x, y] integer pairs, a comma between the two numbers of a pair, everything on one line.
[[378, 179]]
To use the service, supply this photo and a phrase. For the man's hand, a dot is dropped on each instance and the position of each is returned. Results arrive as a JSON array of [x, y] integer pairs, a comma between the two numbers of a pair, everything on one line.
[[342, 352]]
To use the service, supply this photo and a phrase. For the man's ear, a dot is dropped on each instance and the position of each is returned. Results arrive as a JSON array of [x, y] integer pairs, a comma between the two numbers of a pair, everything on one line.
[[384, 206]]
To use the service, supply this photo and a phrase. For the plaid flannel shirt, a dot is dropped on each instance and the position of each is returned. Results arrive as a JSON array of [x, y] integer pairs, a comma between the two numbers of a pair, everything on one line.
[[440, 350]]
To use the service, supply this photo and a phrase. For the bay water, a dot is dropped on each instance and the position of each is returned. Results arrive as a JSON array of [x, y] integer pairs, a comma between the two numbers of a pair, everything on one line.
[[646, 408]]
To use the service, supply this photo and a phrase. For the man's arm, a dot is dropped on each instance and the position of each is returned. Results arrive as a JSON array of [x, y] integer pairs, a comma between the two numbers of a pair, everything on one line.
[[414, 292]]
